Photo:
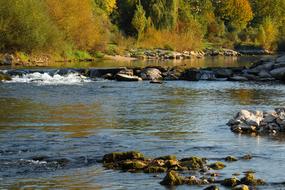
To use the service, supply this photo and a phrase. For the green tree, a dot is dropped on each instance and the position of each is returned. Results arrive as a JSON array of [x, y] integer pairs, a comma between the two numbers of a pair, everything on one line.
[[139, 20], [25, 25], [235, 13], [268, 33]]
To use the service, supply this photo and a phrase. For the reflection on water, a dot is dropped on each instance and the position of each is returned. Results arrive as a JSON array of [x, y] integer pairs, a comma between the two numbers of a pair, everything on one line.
[[80, 123], [216, 61]]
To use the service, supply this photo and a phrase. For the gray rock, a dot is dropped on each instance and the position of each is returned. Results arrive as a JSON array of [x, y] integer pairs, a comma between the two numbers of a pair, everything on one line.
[[127, 78], [151, 74], [258, 122]]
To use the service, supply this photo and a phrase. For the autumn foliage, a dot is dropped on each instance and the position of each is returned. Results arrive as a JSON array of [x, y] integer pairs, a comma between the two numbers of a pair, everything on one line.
[[101, 25]]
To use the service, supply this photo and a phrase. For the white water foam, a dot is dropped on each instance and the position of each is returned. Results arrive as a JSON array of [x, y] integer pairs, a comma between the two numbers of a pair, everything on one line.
[[46, 79]]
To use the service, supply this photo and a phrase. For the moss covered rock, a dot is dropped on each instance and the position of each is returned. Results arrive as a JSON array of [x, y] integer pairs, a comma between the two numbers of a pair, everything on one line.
[[120, 156], [171, 163], [193, 162], [172, 178], [133, 164], [241, 187], [155, 169], [247, 157], [193, 180], [249, 179], [168, 157], [231, 182], [217, 165]]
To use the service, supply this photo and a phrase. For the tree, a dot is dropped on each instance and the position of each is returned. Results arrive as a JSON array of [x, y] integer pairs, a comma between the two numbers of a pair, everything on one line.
[[107, 5], [139, 20], [77, 22], [26, 26], [268, 34], [235, 13]]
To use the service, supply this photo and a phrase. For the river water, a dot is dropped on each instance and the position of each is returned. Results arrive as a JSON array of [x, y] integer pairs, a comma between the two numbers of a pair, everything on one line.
[[75, 121]]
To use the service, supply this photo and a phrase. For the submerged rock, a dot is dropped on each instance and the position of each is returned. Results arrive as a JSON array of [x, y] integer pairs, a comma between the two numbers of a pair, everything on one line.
[[172, 178], [120, 156], [217, 165], [231, 182], [231, 159]]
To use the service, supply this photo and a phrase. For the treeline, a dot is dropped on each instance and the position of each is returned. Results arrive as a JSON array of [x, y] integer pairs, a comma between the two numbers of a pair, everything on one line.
[[114, 25]]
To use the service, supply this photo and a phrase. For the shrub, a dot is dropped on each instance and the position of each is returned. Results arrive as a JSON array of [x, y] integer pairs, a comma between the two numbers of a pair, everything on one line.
[[25, 25]]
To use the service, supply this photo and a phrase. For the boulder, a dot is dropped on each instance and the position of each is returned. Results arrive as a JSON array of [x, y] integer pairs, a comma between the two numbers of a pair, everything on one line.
[[127, 78], [151, 74]]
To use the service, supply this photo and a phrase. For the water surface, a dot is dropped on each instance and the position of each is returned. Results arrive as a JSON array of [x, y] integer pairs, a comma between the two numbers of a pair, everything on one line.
[[78, 121]]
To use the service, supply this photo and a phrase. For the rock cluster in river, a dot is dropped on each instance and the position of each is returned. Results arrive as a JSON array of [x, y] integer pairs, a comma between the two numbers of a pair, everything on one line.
[[258, 122], [204, 173]]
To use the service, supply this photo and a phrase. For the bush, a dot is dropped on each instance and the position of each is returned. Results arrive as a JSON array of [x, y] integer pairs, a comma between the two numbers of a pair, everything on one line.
[[80, 22], [25, 25]]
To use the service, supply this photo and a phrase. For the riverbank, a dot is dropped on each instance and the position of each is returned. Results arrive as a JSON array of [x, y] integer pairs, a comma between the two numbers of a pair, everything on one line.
[[45, 59]]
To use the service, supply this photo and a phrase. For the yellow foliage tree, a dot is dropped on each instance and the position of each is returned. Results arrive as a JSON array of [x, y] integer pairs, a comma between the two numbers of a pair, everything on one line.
[[236, 13], [77, 21]]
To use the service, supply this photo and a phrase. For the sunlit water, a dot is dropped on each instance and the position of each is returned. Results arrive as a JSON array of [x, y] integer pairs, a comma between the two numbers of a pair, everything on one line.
[[79, 120]]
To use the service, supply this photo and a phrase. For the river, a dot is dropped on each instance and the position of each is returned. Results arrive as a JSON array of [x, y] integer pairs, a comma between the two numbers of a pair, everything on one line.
[[77, 121]]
